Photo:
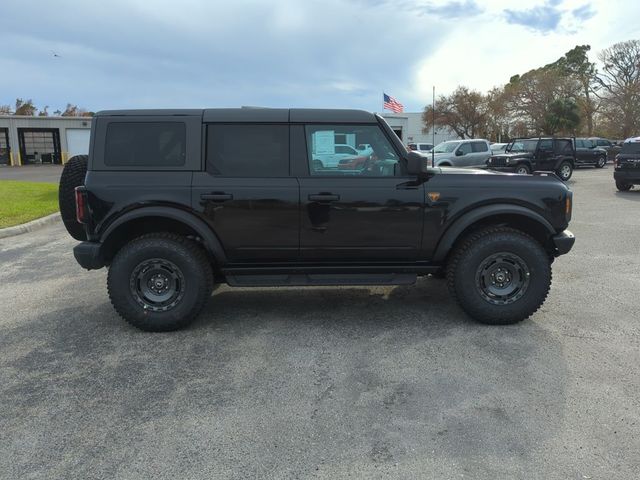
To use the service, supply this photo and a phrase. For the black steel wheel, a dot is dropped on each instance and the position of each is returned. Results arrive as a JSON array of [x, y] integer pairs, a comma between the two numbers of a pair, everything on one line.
[[499, 275], [160, 281]]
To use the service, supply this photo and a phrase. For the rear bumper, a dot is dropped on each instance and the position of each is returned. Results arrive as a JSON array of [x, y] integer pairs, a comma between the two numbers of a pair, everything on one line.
[[563, 242], [88, 255], [631, 175]]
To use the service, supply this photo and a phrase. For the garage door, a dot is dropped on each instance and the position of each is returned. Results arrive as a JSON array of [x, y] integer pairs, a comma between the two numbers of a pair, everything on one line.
[[78, 141]]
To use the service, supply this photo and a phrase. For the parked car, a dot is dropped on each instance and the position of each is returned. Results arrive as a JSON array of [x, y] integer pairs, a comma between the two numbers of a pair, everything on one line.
[[498, 148], [462, 153], [420, 147], [364, 149], [332, 160], [627, 165], [589, 153], [526, 155], [176, 201]]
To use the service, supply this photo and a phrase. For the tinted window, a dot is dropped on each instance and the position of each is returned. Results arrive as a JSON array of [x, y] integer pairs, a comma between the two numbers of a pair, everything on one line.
[[465, 148], [603, 143], [248, 150], [326, 158], [546, 144], [630, 147], [563, 146], [145, 144], [479, 147]]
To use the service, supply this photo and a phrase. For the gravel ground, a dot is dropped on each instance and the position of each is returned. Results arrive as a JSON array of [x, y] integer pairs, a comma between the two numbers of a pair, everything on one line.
[[328, 382]]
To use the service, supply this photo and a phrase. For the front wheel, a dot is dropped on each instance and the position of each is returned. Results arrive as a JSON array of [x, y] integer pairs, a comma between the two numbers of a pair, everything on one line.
[[499, 275], [565, 170], [160, 282], [522, 170], [601, 162]]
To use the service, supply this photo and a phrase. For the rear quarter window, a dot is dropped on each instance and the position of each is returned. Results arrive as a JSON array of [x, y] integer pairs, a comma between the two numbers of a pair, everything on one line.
[[145, 144], [632, 148]]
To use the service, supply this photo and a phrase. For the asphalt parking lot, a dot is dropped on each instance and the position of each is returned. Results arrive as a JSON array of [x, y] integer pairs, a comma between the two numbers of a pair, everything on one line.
[[328, 382], [32, 173]]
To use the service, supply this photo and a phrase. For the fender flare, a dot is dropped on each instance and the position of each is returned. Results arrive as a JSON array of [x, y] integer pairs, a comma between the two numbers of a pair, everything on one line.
[[209, 238], [453, 232]]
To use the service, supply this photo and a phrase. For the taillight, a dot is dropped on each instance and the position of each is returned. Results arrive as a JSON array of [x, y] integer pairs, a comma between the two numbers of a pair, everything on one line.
[[568, 207], [81, 205]]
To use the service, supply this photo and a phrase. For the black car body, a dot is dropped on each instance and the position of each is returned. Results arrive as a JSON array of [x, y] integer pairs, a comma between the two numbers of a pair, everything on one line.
[[627, 165], [526, 155], [241, 185], [589, 153]]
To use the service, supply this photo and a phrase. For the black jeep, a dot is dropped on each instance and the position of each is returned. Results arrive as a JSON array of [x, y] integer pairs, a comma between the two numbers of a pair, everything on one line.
[[627, 165], [177, 201], [526, 155]]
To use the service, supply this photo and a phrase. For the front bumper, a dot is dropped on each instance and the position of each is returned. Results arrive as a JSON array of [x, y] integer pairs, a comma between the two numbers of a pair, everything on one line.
[[563, 242], [88, 255], [629, 175]]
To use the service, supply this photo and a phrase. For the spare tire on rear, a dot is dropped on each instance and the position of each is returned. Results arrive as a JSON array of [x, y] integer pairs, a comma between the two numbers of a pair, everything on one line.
[[72, 176]]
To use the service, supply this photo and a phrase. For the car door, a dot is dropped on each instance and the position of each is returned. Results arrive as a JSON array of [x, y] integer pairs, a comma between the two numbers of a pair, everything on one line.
[[373, 213], [481, 153], [463, 155], [246, 193], [545, 159]]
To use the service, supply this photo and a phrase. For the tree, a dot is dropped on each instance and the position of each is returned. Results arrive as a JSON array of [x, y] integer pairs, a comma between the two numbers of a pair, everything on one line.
[[464, 112], [25, 107], [70, 111], [563, 116], [620, 82], [5, 110], [44, 112], [576, 64]]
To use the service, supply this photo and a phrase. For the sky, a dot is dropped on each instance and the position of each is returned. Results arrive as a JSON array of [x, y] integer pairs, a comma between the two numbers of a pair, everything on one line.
[[287, 53]]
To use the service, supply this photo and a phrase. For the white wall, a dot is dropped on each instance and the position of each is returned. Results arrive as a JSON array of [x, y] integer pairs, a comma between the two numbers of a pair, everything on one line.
[[78, 141]]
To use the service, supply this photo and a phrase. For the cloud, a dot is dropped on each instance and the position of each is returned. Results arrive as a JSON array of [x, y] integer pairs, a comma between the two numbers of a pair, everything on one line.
[[454, 9], [584, 13], [544, 18]]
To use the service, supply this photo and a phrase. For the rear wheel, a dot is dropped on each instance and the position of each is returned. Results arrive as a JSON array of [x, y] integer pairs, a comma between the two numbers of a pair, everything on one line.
[[160, 282], [601, 161], [499, 275], [72, 176], [522, 170], [565, 170], [623, 186]]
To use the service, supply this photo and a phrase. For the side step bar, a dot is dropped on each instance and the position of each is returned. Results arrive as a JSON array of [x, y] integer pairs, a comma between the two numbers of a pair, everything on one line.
[[312, 279]]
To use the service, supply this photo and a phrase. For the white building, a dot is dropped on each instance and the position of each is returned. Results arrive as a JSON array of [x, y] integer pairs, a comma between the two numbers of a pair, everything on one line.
[[32, 140], [408, 126]]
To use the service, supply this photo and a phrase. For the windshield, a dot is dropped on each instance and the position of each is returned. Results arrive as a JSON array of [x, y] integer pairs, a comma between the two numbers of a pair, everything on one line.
[[446, 147], [523, 146]]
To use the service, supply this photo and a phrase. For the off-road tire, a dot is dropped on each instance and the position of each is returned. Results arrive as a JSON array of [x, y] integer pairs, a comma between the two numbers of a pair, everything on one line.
[[467, 260], [623, 186], [561, 168], [601, 162], [522, 169], [72, 176], [196, 284]]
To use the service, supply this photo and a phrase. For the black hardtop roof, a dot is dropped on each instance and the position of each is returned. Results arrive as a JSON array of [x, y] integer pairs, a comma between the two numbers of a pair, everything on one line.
[[252, 114], [548, 137]]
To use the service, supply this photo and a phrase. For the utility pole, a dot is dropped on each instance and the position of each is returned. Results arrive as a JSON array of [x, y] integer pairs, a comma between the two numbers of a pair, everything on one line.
[[433, 127]]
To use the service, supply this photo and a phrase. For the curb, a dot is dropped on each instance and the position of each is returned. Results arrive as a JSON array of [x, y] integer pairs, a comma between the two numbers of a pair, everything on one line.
[[30, 226]]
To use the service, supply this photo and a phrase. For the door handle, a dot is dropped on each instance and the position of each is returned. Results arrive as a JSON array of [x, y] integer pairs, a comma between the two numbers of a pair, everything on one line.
[[217, 197], [324, 197]]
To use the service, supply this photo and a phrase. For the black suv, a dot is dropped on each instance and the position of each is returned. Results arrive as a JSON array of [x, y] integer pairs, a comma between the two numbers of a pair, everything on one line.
[[589, 153], [176, 201], [526, 155], [627, 165]]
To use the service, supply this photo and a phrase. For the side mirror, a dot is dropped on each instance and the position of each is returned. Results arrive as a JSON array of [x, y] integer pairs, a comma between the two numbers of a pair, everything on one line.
[[459, 153], [415, 164]]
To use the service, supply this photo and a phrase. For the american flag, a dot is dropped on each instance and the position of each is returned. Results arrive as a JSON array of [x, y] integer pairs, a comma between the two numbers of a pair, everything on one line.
[[392, 104]]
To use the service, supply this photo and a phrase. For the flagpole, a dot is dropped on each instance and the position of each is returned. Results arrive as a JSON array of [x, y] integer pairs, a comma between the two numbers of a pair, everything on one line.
[[433, 127]]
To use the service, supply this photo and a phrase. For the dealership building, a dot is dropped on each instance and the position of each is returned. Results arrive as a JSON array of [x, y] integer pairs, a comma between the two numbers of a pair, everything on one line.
[[28, 140], [408, 126]]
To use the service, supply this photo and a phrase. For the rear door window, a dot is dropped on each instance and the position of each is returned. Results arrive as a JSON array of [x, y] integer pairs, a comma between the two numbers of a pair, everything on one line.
[[145, 144], [248, 150]]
